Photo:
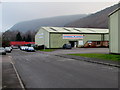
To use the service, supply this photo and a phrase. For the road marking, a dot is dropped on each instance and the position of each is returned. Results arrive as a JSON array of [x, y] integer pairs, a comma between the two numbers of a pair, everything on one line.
[[66, 60], [27, 60], [10, 56], [20, 81], [110, 68]]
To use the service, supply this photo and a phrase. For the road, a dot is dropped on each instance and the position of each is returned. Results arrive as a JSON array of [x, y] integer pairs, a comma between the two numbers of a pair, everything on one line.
[[39, 70]]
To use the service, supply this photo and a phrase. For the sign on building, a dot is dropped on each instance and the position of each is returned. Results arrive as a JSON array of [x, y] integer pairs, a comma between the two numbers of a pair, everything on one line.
[[40, 35], [71, 36], [80, 43]]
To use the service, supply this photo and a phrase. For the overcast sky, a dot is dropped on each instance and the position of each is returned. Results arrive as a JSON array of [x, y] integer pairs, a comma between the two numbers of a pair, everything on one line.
[[14, 12]]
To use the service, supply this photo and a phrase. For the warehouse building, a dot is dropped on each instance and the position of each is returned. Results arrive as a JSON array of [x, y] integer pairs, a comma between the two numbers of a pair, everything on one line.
[[56, 37], [114, 26]]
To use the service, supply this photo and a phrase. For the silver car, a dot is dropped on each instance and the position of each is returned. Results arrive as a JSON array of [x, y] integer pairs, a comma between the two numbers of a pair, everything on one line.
[[8, 49], [30, 49], [23, 48], [2, 51]]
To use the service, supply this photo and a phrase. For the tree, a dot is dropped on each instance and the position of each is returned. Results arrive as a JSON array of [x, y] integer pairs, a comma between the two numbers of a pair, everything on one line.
[[18, 37], [29, 39], [4, 41], [24, 39], [9, 35]]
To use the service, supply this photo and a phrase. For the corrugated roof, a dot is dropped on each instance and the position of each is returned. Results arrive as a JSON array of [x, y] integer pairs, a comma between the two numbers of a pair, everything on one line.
[[75, 30]]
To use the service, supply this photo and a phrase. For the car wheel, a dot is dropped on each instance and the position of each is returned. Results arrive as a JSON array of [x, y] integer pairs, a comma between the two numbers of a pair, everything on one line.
[[4, 53]]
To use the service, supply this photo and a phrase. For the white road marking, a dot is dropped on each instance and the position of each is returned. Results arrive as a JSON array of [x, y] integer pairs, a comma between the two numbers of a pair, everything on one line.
[[66, 60], [27, 60], [10, 56], [20, 81], [111, 68], [18, 77]]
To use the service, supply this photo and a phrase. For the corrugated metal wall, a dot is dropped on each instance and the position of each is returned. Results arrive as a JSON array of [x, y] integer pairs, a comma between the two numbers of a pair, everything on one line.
[[57, 41], [42, 38], [114, 37]]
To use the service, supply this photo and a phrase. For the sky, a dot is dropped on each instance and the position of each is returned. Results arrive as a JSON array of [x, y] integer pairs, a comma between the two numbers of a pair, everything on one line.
[[14, 12]]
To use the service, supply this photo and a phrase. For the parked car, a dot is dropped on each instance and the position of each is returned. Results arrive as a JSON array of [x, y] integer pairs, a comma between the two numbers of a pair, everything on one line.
[[14, 47], [21, 47], [30, 49], [24, 48], [67, 46], [2, 51], [11, 48], [8, 49]]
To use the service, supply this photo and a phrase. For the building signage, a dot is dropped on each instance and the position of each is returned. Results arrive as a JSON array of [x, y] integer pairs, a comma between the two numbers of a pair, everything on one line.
[[40, 37], [80, 43], [68, 36], [40, 34]]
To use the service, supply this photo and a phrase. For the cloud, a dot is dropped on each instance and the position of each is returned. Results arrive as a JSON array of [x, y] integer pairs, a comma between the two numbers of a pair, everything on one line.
[[59, 0], [14, 12], [0, 17]]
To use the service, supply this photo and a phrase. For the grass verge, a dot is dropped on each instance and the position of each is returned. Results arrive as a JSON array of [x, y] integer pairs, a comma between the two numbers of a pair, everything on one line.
[[100, 56], [47, 50]]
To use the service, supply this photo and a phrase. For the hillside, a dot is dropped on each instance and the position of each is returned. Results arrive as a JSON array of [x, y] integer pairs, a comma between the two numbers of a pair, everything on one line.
[[97, 20], [32, 25]]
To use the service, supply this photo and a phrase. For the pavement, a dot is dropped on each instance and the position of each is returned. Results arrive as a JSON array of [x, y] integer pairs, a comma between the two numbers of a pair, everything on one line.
[[9, 76], [47, 70]]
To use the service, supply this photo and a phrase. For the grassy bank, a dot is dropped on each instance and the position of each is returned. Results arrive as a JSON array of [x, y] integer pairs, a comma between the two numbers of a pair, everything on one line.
[[100, 56]]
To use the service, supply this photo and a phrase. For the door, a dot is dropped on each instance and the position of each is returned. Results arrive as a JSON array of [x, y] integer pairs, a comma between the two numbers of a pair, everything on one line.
[[73, 43]]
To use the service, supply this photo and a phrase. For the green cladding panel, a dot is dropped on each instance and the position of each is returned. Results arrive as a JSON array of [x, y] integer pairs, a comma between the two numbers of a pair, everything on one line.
[[114, 32], [42, 38], [92, 37], [57, 41]]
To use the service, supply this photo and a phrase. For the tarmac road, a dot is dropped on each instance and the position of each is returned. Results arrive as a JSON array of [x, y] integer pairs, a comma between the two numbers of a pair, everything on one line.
[[39, 70]]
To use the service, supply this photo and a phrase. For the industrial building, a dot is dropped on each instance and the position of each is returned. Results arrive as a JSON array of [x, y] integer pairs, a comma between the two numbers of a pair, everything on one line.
[[56, 37], [114, 26]]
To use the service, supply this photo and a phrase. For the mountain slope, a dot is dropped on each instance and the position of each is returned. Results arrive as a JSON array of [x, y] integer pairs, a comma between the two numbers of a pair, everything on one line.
[[97, 20], [59, 21]]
